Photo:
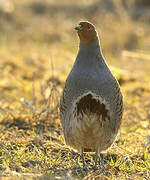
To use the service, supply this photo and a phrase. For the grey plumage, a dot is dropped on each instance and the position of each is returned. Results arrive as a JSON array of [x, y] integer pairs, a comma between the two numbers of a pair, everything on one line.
[[91, 105]]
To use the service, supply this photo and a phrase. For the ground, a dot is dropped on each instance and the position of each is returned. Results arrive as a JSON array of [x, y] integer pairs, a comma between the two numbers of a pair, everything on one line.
[[38, 45]]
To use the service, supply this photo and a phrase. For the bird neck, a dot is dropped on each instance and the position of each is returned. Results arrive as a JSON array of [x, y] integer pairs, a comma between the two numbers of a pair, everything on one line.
[[89, 55], [92, 47]]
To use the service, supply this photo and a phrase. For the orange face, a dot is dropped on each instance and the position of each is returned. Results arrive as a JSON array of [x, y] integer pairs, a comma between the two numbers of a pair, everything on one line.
[[86, 32]]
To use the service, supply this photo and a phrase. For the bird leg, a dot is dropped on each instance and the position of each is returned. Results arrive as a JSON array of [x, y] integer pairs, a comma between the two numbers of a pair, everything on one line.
[[95, 160], [82, 157], [102, 162]]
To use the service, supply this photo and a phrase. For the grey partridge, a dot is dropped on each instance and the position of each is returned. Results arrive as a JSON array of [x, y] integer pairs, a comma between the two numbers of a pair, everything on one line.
[[91, 105]]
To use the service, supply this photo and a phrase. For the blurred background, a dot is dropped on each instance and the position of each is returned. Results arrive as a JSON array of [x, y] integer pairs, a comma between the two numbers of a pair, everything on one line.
[[121, 24], [48, 24], [35, 34]]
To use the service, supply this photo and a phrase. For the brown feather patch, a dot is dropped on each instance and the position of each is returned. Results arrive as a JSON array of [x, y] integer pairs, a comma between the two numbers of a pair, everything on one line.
[[88, 104]]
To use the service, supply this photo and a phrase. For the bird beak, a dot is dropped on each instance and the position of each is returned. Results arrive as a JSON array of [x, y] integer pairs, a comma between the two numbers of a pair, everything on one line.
[[78, 27]]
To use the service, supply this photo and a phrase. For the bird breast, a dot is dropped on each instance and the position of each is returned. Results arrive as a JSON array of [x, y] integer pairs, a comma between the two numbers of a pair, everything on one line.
[[90, 114]]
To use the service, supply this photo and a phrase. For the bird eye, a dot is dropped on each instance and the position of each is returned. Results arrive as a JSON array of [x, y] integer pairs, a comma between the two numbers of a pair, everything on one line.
[[88, 26]]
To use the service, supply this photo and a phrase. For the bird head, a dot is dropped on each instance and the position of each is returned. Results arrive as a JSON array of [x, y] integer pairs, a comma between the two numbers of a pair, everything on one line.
[[86, 32]]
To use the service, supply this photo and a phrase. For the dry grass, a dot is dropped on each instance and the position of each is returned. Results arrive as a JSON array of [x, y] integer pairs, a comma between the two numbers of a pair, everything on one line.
[[38, 48]]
